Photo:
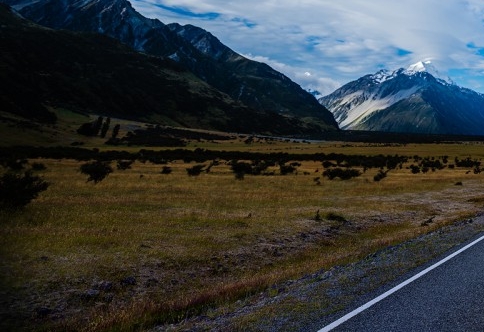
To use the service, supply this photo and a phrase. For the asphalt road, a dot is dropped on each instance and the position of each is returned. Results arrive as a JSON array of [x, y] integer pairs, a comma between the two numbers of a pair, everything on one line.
[[449, 297]]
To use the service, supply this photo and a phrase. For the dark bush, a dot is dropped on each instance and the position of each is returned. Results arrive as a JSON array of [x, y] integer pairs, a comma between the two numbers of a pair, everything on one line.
[[17, 190], [97, 170], [467, 163], [433, 164], [287, 169], [336, 217], [343, 174], [317, 216], [414, 169], [15, 164], [38, 167], [166, 170], [239, 176], [240, 169], [380, 176], [91, 128], [124, 164], [195, 170], [259, 167]]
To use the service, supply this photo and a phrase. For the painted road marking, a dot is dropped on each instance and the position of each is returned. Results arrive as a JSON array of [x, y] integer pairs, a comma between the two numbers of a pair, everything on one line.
[[396, 288]]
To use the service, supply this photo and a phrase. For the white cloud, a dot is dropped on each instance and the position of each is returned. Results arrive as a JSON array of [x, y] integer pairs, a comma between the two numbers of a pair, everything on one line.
[[338, 41], [309, 80]]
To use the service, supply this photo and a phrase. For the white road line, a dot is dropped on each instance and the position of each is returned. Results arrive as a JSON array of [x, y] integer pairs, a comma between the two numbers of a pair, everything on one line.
[[394, 289]]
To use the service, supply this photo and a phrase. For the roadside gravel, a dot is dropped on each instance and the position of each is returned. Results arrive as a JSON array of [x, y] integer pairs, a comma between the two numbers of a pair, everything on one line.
[[315, 300]]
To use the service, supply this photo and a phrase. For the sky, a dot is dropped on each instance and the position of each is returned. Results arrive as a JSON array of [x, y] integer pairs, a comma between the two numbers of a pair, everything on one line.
[[324, 44]]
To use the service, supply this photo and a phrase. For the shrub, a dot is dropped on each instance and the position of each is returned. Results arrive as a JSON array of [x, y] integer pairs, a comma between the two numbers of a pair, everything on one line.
[[239, 176], [467, 163], [380, 176], [97, 170], [415, 169], [166, 170], [336, 217], [343, 174], [124, 164], [317, 217], [240, 169], [195, 170], [17, 190], [38, 167], [258, 167], [287, 169], [15, 164]]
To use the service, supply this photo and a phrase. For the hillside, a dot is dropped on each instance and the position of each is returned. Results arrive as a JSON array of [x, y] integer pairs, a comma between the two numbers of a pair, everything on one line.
[[92, 73], [252, 83]]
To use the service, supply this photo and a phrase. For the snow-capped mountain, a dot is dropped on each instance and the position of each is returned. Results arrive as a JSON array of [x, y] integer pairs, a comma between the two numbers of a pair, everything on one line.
[[427, 66], [416, 100], [252, 83]]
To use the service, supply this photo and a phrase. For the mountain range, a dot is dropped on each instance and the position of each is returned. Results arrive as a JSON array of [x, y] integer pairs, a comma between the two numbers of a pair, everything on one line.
[[254, 84], [90, 73], [413, 100], [103, 57]]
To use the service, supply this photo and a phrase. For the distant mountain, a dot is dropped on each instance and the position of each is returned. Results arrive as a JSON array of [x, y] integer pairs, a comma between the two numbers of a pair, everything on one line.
[[254, 84], [92, 73], [413, 100]]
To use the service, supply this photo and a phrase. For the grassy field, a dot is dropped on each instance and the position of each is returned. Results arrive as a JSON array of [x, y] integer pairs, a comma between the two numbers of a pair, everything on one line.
[[141, 247]]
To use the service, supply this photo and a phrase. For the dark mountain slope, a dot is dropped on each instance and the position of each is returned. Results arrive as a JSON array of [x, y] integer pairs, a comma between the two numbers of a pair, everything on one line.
[[255, 84], [93, 73]]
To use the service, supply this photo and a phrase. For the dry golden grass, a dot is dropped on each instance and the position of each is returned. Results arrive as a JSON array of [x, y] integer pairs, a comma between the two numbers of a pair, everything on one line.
[[193, 242]]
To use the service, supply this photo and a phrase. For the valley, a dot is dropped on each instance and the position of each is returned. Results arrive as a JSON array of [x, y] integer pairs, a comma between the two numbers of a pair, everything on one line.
[[154, 244], [151, 178]]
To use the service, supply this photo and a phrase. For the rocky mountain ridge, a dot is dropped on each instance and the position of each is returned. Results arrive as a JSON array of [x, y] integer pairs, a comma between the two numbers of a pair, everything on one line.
[[90, 73], [410, 100], [255, 84]]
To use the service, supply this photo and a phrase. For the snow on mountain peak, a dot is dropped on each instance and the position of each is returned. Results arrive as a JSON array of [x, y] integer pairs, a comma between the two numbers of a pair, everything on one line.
[[421, 66], [383, 75], [427, 67]]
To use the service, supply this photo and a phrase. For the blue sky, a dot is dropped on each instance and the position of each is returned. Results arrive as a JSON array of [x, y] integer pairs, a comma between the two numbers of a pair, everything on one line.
[[323, 44]]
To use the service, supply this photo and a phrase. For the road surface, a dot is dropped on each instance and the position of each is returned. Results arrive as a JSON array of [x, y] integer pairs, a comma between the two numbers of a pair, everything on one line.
[[447, 296]]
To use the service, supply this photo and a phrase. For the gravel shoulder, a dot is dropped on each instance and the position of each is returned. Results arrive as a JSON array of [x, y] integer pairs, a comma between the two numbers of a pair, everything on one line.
[[310, 303]]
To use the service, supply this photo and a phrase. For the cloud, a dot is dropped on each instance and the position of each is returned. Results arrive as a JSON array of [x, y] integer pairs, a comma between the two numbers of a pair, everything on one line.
[[303, 76], [338, 41]]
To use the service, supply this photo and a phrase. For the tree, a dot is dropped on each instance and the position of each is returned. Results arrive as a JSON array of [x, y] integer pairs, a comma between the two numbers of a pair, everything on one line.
[[91, 128], [97, 126], [97, 170], [17, 190], [115, 131], [105, 127]]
